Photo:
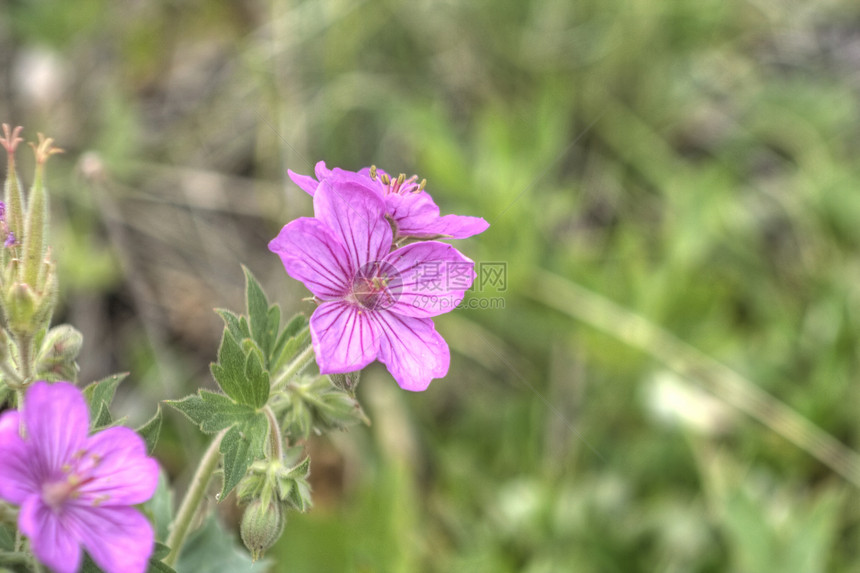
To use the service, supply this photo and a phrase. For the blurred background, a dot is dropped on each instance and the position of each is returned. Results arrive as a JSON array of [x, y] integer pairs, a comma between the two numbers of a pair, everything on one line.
[[664, 375]]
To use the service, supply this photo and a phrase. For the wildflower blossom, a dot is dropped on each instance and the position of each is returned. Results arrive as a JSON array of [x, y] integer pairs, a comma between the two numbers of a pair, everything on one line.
[[374, 304], [407, 204], [74, 489]]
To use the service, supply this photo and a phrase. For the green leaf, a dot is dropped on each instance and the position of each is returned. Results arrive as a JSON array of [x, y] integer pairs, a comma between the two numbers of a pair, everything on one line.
[[237, 325], [156, 566], [212, 412], [294, 326], [256, 379], [258, 310], [88, 566], [292, 347], [102, 392], [161, 550], [273, 324], [102, 418], [240, 446], [7, 539], [229, 372], [211, 549], [151, 429], [159, 510]]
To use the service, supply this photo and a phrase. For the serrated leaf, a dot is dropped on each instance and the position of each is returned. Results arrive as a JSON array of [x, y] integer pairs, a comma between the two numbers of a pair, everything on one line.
[[240, 446], [234, 324], [256, 379], [102, 392], [212, 412], [151, 429], [229, 372], [273, 324], [294, 326], [156, 566], [258, 310], [102, 418], [292, 347]]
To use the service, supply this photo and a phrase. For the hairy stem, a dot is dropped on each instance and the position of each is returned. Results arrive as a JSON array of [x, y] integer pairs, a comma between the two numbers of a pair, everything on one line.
[[193, 497], [297, 365], [275, 440]]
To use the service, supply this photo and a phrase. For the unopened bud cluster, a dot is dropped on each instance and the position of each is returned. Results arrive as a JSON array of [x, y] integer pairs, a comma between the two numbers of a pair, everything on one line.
[[28, 280], [271, 488]]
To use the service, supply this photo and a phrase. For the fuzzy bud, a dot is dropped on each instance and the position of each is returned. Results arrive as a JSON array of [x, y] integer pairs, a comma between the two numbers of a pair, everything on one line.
[[262, 525], [346, 382], [20, 304], [56, 358]]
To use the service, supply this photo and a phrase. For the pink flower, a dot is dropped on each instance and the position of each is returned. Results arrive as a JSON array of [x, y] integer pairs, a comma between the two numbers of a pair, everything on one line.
[[375, 304], [407, 204], [74, 489]]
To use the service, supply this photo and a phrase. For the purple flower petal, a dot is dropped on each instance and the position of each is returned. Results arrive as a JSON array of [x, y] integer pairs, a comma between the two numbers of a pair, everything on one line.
[[416, 215], [412, 350], [119, 539], [313, 255], [321, 171], [122, 474], [57, 423], [308, 183], [356, 215], [343, 337], [457, 226], [432, 278], [50, 539], [18, 478], [305, 182]]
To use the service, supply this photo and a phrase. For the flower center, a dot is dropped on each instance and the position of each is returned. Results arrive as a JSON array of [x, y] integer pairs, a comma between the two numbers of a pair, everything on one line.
[[56, 493], [399, 185], [75, 474], [371, 287]]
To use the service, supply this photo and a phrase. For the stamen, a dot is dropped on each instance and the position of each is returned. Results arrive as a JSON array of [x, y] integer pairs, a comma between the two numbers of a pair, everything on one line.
[[373, 172], [421, 186], [100, 499]]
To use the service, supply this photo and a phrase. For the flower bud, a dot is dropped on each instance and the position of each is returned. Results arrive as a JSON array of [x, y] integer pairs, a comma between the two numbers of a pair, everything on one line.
[[20, 305], [56, 358], [346, 382], [262, 525]]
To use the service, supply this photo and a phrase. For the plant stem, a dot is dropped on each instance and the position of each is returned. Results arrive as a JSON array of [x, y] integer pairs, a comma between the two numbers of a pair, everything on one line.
[[193, 498], [297, 365], [277, 451], [11, 374], [25, 352]]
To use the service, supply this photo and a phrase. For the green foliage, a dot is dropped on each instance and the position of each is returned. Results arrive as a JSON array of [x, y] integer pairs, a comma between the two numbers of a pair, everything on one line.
[[314, 405], [240, 446], [150, 430], [245, 436], [99, 395], [241, 374], [214, 550]]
